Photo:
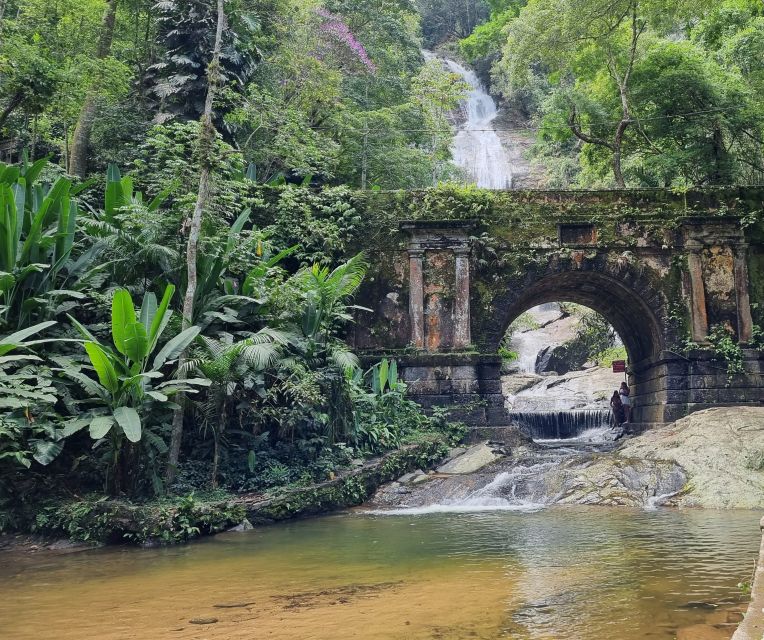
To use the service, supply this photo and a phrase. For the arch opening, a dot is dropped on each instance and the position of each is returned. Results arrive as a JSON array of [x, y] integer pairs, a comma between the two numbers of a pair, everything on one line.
[[637, 318]]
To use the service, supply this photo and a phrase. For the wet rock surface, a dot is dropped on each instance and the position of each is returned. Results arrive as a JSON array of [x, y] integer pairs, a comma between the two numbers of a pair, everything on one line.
[[713, 459], [472, 460]]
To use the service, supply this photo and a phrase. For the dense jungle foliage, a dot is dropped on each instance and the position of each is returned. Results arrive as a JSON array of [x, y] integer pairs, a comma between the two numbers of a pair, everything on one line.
[[164, 329], [638, 93]]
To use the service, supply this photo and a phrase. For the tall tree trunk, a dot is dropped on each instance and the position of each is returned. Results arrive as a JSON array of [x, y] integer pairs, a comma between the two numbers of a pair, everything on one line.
[[78, 157], [206, 147], [12, 105]]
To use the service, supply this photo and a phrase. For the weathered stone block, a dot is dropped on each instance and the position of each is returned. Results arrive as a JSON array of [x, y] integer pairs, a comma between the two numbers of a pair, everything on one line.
[[463, 373], [463, 387]]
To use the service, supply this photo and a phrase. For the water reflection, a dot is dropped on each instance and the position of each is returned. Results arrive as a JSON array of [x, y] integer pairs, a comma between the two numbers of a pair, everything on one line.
[[588, 573]]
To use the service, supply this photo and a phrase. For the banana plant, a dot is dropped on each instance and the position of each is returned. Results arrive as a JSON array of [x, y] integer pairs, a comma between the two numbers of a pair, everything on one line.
[[37, 227], [120, 193], [384, 378], [131, 386]]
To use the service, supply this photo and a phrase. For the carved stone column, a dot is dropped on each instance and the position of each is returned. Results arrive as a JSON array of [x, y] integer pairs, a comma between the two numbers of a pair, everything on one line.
[[698, 297], [462, 330], [416, 296], [744, 319]]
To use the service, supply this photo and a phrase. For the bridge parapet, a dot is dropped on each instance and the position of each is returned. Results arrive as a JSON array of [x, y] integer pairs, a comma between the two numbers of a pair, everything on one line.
[[664, 274]]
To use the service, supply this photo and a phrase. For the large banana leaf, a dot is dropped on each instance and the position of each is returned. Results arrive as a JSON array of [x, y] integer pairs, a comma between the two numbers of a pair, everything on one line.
[[130, 421], [107, 374], [122, 315], [161, 318], [175, 346], [136, 342]]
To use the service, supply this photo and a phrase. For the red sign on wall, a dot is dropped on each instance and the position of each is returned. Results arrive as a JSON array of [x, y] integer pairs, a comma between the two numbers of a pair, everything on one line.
[[619, 366]]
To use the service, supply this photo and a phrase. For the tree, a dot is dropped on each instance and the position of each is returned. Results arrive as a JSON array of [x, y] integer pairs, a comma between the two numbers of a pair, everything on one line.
[[186, 31], [578, 43], [446, 19], [207, 134], [232, 367], [78, 159]]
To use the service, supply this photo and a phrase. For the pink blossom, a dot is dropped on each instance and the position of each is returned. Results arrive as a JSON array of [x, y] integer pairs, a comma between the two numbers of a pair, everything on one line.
[[335, 27]]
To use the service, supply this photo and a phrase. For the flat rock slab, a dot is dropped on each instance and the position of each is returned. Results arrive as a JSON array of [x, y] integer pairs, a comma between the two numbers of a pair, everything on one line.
[[472, 460]]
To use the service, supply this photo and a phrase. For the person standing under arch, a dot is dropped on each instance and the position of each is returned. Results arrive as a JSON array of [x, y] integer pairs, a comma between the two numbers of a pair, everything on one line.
[[624, 393], [617, 410]]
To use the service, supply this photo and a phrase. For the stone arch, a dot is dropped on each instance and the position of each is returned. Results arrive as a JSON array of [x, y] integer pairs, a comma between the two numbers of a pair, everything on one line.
[[627, 296]]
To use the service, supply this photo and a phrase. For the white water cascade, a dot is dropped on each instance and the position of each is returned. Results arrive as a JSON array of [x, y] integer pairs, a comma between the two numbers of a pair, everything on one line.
[[476, 147]]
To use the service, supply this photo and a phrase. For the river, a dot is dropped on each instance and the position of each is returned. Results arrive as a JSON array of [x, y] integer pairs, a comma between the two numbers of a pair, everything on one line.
[[572, 573]]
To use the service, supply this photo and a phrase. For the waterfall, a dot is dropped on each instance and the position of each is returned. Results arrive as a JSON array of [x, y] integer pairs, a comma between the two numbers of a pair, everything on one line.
[[476, 147], [556, 425]]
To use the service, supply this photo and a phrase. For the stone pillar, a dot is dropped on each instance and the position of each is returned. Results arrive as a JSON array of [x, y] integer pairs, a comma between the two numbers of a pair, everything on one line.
[[462, 330], [416, 296], [698, 297], [744, 319]]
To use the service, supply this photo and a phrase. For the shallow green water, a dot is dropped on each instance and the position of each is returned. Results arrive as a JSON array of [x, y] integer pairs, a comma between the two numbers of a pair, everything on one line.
[[577, 573]]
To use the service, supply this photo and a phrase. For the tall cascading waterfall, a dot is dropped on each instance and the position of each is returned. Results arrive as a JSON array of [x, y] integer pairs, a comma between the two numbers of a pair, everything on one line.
[[476, 147]]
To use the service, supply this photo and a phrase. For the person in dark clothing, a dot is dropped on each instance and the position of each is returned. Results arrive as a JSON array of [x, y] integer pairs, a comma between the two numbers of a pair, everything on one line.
[[619, 415]]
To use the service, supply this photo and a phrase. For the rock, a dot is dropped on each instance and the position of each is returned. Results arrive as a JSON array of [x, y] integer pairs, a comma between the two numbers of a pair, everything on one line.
[[244, 525], [589, 389], [456, 451], [567, 357], [515, 383], [406, 478], [721, 451], [233, 605], [203, 620], [472, 460], [420, 479], [610, 480]]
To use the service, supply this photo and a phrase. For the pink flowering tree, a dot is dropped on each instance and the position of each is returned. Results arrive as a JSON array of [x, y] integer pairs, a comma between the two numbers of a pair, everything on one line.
[[336, 30]]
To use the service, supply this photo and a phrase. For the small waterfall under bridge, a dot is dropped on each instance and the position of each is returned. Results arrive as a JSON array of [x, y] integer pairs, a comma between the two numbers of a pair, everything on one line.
[[558, 425]]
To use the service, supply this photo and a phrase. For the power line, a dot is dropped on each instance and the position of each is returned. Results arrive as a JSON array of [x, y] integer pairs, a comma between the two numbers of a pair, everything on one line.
[[529, 128]]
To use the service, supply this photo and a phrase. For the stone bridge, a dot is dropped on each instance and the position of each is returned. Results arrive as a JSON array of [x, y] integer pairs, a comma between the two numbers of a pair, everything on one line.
[[665, 269]]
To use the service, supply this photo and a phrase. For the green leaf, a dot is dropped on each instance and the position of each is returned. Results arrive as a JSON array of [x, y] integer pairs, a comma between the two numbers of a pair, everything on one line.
[[46, 451], [148, 310], [136, 342], [15, 340], [384, 367], [122, 315], [84, 332], [107, 375], [175, 346], [161, 317], [88, 384], [33, 171], [100, 426], [74, 426], [130, 421], [160, 397]]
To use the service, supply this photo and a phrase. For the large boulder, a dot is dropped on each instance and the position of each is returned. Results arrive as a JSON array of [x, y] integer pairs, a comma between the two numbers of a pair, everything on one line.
[[472, 460], [571, 356], [721, 451]]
